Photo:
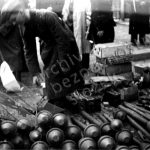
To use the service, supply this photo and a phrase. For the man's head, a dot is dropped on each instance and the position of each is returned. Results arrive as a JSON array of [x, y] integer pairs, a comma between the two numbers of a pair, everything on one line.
[[13, 11]]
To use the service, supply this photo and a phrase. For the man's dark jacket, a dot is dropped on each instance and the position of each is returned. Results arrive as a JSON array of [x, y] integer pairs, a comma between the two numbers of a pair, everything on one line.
[[11, 48], [59, 52]]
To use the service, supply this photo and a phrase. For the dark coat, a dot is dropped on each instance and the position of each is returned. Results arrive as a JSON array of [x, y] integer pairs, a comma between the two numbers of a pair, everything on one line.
[[139, 20], [11, 47], [59, 53], [102, 21]]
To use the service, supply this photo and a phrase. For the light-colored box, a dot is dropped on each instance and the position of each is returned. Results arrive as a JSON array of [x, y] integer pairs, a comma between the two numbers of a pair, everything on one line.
[[112, 50]]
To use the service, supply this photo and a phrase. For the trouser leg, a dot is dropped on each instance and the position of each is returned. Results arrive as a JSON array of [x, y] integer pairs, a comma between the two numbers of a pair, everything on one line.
[[17, 75], [85, 60], [142, 39], [134, 39]]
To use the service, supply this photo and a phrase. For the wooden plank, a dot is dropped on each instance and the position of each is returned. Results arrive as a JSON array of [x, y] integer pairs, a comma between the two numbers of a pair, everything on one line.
[[11, 110], [28, 98]]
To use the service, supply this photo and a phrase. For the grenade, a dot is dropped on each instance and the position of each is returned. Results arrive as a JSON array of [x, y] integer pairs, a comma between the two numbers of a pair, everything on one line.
[[106, 129], [35, 135], [23, 126], [55, 137], [116, 124], [87, 144], [106, 143], [43, 133], [121, 115], [44, 119], [4, 145], [122, 147], [134, 147], [92, 130], [72, 131], [39, 145], [8, 129], [124, 137], [60, 120], [69, 145], [18, 141]]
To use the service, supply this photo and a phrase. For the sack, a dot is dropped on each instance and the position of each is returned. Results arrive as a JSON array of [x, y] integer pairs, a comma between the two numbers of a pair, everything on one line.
[[8, 79]]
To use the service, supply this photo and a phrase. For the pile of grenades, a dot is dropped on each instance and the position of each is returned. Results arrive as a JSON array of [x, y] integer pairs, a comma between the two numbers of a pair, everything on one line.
[[105, 132], [139, 118], [65, 131]]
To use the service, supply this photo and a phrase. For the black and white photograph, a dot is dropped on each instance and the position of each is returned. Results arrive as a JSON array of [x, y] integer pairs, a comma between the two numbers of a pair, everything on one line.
[[74, 74]]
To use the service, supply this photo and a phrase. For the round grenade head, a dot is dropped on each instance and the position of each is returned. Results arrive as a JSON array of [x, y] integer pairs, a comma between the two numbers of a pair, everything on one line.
[[122, 147], [35, 135], [60, 120], [44, 119], [55, 137], [8, 129], [69, 145], [116, 124], [24, 126], [73, 132], [18, 141], [4, 145], [121, 115], [124, 137], [106, 129], [40, 145], [92, 131], [134, 147], [87, 143], [106, 143]]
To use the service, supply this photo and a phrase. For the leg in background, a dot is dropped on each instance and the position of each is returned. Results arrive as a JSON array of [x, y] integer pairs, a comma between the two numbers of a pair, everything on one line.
[[142, 39], [134, 39]]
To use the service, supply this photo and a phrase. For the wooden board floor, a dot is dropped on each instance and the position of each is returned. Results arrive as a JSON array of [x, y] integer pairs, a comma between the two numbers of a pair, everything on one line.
[[14, 106]]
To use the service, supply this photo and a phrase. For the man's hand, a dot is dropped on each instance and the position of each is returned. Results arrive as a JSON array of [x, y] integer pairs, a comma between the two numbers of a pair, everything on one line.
[[100, 33], [38, 79]]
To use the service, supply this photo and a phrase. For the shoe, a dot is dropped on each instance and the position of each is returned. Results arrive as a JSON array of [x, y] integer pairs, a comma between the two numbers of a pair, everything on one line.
[[142, 41], [134, 42]]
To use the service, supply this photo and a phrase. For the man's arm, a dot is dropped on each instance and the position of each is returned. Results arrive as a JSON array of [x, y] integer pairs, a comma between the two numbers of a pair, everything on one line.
[[30, 52]]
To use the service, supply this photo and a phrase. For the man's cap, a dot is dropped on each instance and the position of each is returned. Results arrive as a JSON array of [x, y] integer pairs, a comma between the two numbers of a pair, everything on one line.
[[9, 7], [13, 5]]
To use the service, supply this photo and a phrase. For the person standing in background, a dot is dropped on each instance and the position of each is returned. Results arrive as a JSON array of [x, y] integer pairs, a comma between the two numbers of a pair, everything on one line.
[[139, 21], [79, 13], [102, 22]]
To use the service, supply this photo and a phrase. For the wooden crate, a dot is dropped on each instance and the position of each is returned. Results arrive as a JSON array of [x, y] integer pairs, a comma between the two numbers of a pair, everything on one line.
[[105, 70], [112, 50]]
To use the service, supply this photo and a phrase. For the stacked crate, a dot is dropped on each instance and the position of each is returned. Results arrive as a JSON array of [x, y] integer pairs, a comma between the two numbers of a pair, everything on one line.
[[112, 58]]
